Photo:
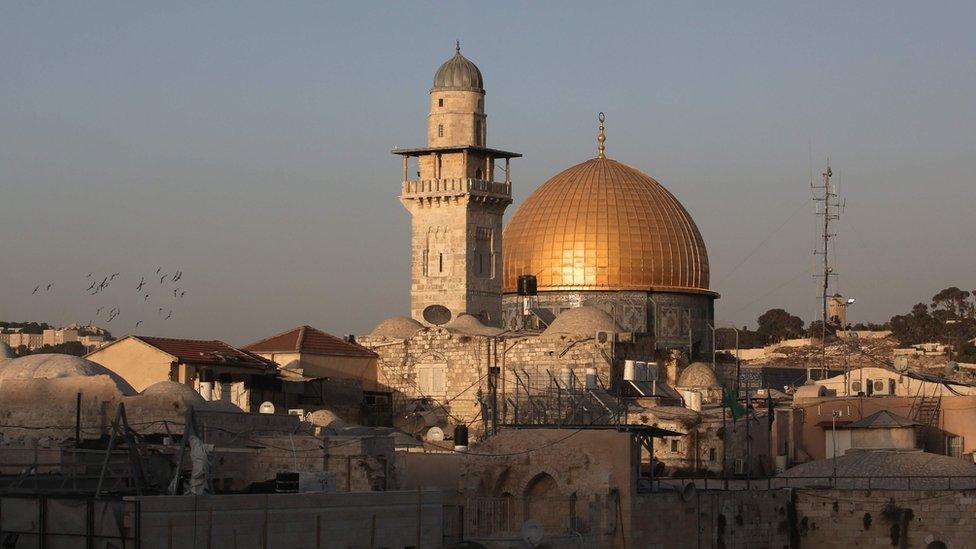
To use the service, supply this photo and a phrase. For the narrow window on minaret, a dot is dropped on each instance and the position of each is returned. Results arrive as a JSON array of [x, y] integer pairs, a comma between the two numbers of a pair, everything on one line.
[[440, 263], [440, 130], [477, 132], [440, 102]]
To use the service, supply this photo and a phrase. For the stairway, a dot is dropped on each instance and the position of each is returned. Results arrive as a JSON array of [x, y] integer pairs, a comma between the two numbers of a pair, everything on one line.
[[926, 413]]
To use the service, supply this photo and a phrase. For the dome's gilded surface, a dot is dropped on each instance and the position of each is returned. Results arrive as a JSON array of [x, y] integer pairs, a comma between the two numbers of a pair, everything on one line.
[[603, 225]]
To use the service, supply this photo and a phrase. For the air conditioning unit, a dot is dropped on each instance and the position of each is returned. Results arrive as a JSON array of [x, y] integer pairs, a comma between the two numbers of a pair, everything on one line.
[[603, 336], [300, 412], [739, 466], [305, 481]]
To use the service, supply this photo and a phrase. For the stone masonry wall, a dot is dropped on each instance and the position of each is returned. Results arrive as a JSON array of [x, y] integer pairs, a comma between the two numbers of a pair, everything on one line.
[[849, 518]]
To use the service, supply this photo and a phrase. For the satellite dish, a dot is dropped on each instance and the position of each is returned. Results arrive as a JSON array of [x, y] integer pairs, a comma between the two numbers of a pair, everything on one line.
[[951, 367], [688, 492], [533, 532], [437, 314], [901, 363], [266, 408], [434, 434]]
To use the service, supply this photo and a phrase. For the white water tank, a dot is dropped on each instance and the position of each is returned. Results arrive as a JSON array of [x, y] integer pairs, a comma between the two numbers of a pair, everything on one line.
[[591, 378], [630, 370], [566, 378], [780, 464], [693, 400], [651, 371]]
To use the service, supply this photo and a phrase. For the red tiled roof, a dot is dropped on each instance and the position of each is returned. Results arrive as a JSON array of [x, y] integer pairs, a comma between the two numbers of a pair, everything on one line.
[[196, 351], [305, 339]]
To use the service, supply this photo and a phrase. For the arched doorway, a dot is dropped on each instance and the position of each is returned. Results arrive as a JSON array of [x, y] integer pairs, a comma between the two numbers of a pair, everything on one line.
[[542, 502]]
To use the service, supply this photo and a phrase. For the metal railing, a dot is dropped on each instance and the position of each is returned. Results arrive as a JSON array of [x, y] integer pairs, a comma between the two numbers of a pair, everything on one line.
[[876, 482], [456, 185]]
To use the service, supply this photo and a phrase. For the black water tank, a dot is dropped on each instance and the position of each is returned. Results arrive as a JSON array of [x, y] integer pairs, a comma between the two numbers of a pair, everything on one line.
[[527, 285], [460, 435]]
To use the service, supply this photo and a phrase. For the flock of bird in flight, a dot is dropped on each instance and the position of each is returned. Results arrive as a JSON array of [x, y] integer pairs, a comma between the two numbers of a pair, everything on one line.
[[97, 287]]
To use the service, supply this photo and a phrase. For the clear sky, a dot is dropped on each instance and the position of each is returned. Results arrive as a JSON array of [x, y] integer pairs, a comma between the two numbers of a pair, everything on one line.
[[247, 144]]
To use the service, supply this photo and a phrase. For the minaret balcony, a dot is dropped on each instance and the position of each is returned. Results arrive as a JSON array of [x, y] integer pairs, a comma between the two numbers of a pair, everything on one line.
[[424, 188]]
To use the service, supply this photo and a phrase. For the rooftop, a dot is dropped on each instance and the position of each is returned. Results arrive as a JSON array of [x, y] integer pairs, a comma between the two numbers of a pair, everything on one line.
[[205, 352], [305, 339]]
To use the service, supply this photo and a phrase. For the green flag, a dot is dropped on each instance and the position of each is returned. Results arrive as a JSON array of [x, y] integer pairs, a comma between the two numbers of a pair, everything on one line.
[[733, 405]]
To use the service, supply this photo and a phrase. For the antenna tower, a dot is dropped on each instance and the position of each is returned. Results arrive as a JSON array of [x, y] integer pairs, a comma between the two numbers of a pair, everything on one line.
[[829, 209]]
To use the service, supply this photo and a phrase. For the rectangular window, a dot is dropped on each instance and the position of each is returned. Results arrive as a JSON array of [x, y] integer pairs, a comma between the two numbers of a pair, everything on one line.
[[954, 446], [440, 102], [440, 263], [440, 130], [711, 454], [674, 445], [432, 380]]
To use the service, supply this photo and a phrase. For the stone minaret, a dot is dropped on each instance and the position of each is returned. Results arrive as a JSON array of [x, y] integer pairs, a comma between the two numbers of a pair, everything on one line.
[[456, 201]]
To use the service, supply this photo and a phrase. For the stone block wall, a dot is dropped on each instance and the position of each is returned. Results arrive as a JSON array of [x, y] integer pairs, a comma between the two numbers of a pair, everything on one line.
[[879, 518]]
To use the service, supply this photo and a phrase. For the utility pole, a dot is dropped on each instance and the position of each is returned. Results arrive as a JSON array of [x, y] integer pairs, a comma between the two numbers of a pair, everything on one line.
[[830, 211]]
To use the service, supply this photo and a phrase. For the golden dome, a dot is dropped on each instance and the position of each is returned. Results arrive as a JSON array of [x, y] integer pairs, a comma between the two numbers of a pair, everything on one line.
[[602, 225]]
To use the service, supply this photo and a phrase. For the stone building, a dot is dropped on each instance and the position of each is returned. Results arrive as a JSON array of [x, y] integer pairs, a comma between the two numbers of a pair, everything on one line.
[[605, 234], [456, 203], [448, 372], [213, 368]]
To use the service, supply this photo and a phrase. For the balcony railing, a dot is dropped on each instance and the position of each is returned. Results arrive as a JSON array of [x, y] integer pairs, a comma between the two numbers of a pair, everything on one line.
[[436, 187]]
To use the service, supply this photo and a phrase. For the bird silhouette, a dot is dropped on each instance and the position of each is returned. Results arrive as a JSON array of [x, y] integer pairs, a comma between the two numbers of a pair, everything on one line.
[[162, 278], [158, 269], [138, 323], [141, 284], [90, 287], [38, 287], [183, 293], [49, 286], [169, 315], [146, 298], [99, 311], [89, 275], [114, 276], [175, 292]]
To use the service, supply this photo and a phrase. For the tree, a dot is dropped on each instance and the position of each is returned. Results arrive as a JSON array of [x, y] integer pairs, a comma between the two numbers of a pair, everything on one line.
[[777, 325], [954, 302]]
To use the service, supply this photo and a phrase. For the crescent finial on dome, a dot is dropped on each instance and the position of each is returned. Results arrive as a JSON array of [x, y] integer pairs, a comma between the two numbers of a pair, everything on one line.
[[601, 138]]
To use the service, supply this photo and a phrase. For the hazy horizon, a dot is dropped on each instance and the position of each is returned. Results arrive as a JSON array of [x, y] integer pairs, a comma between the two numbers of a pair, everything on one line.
[[247, 145]]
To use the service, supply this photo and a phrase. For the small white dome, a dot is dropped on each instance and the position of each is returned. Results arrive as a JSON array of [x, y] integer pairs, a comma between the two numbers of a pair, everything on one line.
[[399, 327], [469, 324], [583, 321], [53, 365], [699, 375], [174, 390]]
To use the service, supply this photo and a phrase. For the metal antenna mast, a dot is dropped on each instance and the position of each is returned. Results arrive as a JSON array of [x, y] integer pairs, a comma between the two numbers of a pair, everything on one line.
[[830, 211]]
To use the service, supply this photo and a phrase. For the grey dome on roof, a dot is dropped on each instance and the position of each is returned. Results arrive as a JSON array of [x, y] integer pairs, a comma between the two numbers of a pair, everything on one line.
[[172, 389], [52, 365], [469, 324], [400, 327], [458, 73], [698, 374], [582, 321], [885, 463]]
